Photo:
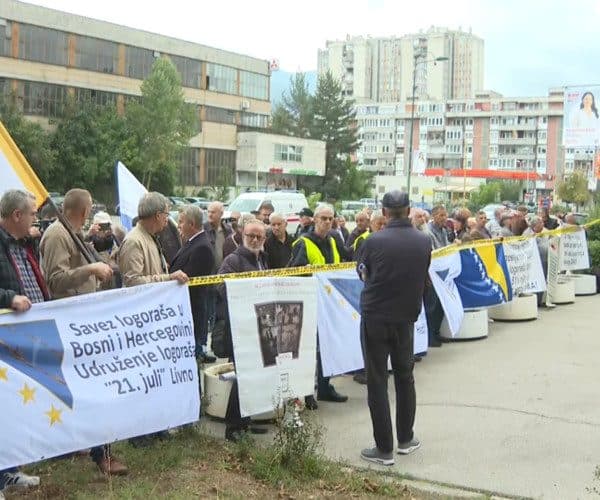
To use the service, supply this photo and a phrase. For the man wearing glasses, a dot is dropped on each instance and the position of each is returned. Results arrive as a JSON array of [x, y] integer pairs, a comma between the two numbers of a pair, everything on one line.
[[318, 248]]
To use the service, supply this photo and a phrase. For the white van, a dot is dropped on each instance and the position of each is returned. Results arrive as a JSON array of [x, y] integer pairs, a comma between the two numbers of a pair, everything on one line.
[[287, 203]]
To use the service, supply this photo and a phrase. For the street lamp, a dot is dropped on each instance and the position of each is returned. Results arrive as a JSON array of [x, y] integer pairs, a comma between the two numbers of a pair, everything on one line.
[[412, 113]]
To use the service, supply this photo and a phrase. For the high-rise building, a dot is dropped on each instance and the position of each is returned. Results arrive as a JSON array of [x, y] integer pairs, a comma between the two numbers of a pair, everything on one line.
[[381, 69]]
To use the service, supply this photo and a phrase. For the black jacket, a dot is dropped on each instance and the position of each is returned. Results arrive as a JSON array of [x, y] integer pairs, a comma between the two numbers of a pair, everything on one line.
[[196, 258], [278, 253], [396, 262]]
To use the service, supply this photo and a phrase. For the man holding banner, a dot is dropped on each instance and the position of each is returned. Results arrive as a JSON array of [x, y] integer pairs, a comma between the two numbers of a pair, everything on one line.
[[21, 282], [393, 264]]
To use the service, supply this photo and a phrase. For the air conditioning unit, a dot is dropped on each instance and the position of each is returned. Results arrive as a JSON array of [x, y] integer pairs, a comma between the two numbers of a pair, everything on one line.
[[245, 104]]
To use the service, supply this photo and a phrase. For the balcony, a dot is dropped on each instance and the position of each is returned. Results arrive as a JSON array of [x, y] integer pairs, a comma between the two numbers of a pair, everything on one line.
[[517, 140], [518, 126]]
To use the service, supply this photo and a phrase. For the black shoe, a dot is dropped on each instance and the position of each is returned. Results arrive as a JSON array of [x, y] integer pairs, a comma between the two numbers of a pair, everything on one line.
[[333, 396], [310, 403], [360, 377], [435, 342], [207, 358], [257, 430]]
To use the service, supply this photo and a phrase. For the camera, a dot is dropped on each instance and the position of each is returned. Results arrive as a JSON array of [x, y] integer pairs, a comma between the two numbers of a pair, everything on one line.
[[104, 226]]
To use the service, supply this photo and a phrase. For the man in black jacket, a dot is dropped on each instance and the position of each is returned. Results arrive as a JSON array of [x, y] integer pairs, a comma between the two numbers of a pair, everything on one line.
[[196, 258], [393, 263], [278, 245], [248, 257]]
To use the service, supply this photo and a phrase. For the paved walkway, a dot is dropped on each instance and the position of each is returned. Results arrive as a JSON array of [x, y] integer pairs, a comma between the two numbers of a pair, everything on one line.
[[517, 413]]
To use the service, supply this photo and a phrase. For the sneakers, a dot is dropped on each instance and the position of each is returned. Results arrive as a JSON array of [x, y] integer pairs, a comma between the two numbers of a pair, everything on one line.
[[409, 447], [377, 457], [9, 480]]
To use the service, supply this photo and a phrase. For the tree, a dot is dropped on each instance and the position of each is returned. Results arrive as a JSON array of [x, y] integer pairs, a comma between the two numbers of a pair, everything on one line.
[[88, 140], [33, 141], [294, 116], [494, 192], [574, 189], [333, 123], [355, 183], [162, 124]]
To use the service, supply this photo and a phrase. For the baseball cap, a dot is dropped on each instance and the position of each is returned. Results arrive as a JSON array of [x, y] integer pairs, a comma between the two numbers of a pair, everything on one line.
[[102, 218], [305, 212], [395, 199]]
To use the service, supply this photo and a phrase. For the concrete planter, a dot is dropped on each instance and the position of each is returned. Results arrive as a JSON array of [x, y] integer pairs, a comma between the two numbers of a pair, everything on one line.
[[521, 308], [474, 326], [215, 392], [585, 284], [565, 292]]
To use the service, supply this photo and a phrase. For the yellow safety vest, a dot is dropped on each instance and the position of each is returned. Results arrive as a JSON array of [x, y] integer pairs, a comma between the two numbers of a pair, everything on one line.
[[360, 237], [314, 255]]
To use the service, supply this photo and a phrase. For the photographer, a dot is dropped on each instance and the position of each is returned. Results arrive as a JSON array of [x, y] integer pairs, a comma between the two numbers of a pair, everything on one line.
[[100, 235]]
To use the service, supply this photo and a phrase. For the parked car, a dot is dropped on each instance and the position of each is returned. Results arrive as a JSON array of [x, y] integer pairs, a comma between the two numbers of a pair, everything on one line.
[[351, 208], [177, 201], [287, 203], [490, 209]]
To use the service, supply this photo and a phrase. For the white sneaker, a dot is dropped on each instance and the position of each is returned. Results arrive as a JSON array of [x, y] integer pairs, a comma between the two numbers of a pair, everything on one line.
[[406, 448], [19, 480]]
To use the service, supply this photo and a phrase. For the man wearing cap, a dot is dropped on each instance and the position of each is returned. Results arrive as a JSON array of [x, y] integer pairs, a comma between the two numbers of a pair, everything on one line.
[[306, 222], [393, 264]]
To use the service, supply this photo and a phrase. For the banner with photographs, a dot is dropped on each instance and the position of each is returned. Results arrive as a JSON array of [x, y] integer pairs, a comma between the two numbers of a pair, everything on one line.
[[581, 122], [274, 332]]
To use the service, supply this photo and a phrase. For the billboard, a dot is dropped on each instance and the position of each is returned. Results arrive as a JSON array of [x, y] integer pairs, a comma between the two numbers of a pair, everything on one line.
[[581, 122]]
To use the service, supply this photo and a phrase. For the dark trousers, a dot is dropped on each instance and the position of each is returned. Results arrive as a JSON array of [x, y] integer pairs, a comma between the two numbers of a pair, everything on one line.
[[381, 341], [233, 418], [434, 313]]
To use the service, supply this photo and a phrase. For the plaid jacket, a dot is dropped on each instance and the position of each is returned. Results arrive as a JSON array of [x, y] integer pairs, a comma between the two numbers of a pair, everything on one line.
[[10, 285]]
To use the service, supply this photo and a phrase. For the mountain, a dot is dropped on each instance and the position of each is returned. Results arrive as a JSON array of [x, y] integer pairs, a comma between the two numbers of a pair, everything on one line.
[[280, 83]]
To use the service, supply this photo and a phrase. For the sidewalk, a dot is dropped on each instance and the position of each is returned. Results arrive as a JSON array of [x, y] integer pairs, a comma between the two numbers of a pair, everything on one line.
[[517, 413]]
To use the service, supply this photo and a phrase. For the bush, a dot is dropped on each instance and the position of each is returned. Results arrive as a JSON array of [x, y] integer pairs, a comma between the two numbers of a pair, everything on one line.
[[593, 232], [594, 249]]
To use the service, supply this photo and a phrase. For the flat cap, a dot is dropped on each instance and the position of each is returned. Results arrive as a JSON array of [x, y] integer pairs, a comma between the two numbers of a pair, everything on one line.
[[395, 199], [306, 212]]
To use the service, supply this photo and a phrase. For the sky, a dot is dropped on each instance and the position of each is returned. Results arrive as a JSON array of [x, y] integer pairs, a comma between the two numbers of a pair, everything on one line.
[[530, 45]]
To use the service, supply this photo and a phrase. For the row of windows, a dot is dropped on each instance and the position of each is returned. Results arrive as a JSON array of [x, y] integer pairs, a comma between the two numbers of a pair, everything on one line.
[[288, 152], [220, 167], [52, 47]]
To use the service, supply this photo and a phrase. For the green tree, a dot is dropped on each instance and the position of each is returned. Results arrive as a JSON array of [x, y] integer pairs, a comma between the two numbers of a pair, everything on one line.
[[574, 189], [334, 123], [293, 115], [494, 192], [88, 140], [355, 183], [33, 141], [162, 123]]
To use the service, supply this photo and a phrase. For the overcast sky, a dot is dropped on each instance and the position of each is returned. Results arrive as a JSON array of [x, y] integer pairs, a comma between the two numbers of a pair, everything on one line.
[[530, 45]]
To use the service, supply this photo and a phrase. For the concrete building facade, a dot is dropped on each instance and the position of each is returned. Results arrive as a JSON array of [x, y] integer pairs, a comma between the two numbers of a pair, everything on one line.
[[489, 136], [381, 69], [48, 55]]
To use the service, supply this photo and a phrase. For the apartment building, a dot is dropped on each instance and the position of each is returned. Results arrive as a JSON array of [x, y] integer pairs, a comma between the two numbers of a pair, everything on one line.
[[381, 69], [47, 55], [489, 136]]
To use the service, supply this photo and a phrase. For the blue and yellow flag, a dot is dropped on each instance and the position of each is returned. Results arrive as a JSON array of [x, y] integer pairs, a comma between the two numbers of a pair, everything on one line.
[[484, 279], [15, 171]]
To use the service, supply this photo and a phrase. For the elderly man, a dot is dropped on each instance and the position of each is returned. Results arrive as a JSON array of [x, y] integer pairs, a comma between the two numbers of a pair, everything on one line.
[[481, 225], [362, 220], [68, 274], [21, 283], [278, 245], [318, 248], [264, 212], [216, 230], [536, 227], [341, 228], [141, 259], [436, 229], [418, 217], [393, 265], [247, 257], [306, 222], [195, 259]]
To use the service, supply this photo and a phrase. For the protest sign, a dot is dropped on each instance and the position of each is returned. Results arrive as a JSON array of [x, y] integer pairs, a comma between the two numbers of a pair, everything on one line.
[[97, 368], [274, 332], [524, 266], [553, 267], [574, 254]]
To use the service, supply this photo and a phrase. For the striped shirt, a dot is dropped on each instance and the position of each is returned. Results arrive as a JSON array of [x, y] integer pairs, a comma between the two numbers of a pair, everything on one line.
[[31, 287]]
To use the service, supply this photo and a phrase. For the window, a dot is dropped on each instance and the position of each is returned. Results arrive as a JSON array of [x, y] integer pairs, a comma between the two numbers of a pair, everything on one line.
[[288, 152], [42, 99], [42, 45], [189, 69], [221, 78], [220, 166], [254, 85], [189, 171], [138, 62], [5, 39], [220, 115], [98, 97], [96, 55], [254, 120]]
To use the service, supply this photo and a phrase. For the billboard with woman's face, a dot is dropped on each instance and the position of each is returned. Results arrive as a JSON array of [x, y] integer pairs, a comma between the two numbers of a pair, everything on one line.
[[581, 122]]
